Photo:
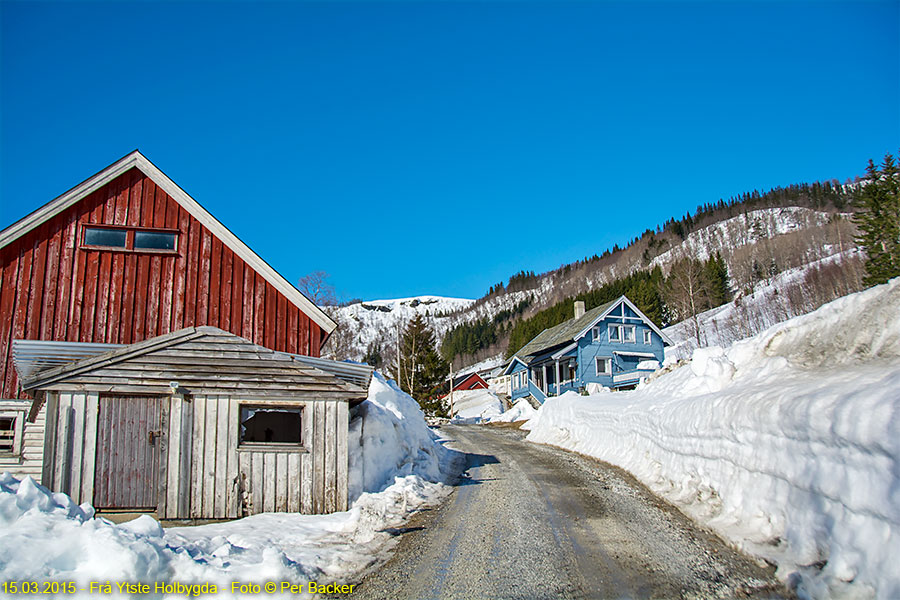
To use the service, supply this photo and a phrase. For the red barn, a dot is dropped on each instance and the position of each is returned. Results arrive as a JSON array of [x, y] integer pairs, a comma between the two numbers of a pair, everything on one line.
[[127, 269], [127, 255]]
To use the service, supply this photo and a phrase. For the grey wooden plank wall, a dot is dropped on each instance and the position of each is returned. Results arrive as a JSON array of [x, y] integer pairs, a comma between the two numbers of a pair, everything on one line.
[[30, 462], [227, 482], [69, 444], [202, 474]]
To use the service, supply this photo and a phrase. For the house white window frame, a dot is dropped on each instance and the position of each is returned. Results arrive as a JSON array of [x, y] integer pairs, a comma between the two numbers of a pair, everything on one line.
[[648, 336], [18, 430], [596, 334], [617, 327], [620, 329], [607, 361]]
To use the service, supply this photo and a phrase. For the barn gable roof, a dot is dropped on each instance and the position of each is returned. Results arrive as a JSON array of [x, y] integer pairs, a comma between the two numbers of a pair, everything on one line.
[[204, 361], [140, 162]]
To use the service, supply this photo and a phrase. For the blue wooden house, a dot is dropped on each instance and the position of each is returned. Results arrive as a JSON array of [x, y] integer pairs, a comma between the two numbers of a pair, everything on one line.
[[613, 345]]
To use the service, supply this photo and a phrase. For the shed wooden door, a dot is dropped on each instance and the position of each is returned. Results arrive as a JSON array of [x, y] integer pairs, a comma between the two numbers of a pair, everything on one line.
[[128, 448]]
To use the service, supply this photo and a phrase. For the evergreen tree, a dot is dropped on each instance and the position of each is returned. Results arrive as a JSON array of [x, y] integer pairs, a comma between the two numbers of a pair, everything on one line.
[[716, 275], [373, 355], [421, 368], [879, 221]]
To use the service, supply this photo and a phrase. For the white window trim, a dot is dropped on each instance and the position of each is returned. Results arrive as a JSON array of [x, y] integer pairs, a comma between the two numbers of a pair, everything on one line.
[[633, 331], [648, 336], [607, 360], [18, 417], [618, 328], [595, 334]]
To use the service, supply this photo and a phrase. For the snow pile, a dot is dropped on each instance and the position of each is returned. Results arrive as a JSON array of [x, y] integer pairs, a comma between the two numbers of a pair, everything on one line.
[[788, 443], [521, 411], [389, 438], [45, 536], [475, 406]]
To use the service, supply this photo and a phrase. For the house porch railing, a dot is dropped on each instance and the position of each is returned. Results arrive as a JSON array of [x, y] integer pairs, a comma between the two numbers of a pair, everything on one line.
[[628, 376], [537, 392]]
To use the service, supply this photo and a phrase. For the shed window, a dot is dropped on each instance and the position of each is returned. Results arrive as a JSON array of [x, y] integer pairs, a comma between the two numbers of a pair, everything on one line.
[[271, 425], [101, 236], [11, 426], [154, 240]]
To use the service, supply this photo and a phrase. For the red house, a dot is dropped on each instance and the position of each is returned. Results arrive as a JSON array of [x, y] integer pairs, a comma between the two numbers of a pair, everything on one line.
[[123, 257], [472, 381]]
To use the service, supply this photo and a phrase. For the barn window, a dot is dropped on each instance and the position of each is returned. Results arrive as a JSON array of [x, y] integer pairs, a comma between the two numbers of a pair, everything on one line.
[[154, 240], [130, 239], [271, 425], [101, 236]]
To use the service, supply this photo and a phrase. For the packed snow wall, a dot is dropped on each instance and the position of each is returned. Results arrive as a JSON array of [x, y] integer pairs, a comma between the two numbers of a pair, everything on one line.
[[788, 443]]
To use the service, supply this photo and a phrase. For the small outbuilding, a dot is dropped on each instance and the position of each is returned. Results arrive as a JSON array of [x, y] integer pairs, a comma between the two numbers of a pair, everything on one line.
[[195, 424], [468, 381]]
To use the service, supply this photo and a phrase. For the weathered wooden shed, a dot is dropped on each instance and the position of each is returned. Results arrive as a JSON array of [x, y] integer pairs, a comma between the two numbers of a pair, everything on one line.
[[197, 424]]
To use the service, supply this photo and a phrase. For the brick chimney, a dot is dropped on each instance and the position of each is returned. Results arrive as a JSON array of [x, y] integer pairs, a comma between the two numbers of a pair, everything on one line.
[[579, 309]]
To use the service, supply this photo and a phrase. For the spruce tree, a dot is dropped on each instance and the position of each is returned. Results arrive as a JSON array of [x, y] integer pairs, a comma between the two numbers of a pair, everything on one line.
[[879, 221], [421, 369], [716, 275]]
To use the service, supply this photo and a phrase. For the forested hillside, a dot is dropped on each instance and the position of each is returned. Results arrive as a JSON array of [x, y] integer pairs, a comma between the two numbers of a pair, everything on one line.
[[723, 250]]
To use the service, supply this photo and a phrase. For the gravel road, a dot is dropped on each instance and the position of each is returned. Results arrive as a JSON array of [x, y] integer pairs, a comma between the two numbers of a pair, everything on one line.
[[531, 521]]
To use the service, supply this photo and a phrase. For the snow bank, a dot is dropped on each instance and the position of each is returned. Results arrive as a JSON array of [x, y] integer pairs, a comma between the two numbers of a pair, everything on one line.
[[396, 468], [787, 443], [389, 438], [521, 411], [475, 406]]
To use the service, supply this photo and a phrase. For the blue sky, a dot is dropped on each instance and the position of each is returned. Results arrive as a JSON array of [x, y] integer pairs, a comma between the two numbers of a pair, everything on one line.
[[439, 147]]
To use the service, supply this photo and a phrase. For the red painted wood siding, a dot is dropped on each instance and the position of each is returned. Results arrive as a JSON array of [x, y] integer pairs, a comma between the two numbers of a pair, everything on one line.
[[472, 382], [52, 289]]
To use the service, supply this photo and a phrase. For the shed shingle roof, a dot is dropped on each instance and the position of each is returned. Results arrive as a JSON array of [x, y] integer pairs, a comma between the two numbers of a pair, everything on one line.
[[207, 360]]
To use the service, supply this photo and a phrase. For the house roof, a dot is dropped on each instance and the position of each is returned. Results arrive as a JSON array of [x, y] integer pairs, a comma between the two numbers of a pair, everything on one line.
[[140, 162], [457, 381], [204, 361], [564, 333]]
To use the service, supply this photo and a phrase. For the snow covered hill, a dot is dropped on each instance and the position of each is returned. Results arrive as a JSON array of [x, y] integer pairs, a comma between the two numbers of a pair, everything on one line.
[[362, 324], [743, 230], [774, 241], [785, 295], [786, 443]]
